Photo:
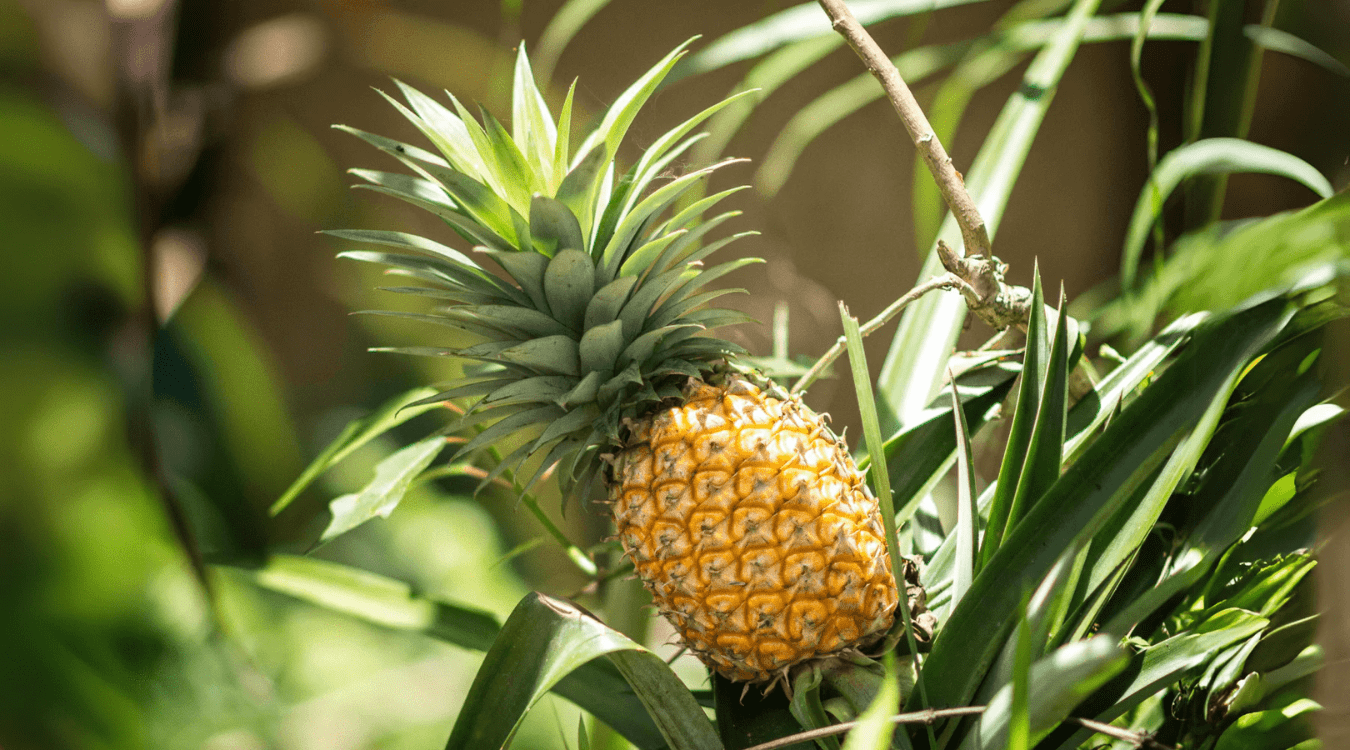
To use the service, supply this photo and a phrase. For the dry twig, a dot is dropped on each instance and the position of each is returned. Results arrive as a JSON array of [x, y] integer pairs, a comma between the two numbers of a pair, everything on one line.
[[931, 715], [949, 181], [976, 273]]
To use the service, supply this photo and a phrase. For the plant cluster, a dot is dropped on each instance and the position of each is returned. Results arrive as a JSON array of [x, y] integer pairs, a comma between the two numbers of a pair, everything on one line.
[[1136, 575]]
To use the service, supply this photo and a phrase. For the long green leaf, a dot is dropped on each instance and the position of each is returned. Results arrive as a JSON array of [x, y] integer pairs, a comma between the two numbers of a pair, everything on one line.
[[1158, 666], [1084, 419], [1058, 683], [1030, 387], [967, 534], [596, 686], [376, 599], [796, 24], [1125, 533], [919, 455], [1090, 491], [544, 640], [1197, 274], [356, 434], [1232, 497], [1046, 444], [1210, 156], [876, 449]]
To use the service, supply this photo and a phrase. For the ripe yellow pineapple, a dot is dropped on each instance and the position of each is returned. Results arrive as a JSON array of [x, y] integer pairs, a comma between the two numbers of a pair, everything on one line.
[[742, 513], [755, 533]]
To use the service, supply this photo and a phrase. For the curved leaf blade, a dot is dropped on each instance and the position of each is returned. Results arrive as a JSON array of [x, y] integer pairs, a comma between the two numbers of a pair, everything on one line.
[[796, 24], [1075, 507], [1058, 682], [1208, 157], [596, 686], [544, 640]]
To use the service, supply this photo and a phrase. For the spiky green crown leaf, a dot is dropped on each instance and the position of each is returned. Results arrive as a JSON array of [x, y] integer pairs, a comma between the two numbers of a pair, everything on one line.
[[599, 314]]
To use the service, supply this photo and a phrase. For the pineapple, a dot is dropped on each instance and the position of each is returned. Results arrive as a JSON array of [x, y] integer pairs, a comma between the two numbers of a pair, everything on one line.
[[743, 514], [747, 520]]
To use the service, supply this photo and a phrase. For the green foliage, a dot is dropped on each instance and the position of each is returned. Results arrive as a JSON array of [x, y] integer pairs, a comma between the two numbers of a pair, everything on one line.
[[1145, 534], [543, 641], [1142, 558]]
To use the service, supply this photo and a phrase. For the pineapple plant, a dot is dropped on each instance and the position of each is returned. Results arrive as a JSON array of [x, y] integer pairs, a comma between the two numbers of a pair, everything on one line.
[[1134, 574], [743, 514]]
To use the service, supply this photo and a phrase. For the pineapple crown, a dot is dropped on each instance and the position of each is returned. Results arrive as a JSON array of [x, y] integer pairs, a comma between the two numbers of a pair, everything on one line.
[[597, 316]]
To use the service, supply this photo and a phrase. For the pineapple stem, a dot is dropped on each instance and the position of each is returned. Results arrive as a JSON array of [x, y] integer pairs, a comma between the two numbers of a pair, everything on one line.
[[950, 183], [574, 553], [876, 448]]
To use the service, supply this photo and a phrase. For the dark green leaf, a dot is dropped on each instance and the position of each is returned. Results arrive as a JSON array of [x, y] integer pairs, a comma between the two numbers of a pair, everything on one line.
[[1058, 683], [552, 223], [1015, 453], [1158, 666], [528, 271], [1090, 491], [551, 354], [569, 284], [1045, 447], [544, 640], [967, 535], [600, 347], [606, 303]]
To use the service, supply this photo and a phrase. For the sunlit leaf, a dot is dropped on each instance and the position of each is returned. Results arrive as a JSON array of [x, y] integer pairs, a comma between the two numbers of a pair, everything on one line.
[[1058, 682], [1210, 156], [393, 476], [1089, 492], [795, 24], [356, 434], [545, 639]]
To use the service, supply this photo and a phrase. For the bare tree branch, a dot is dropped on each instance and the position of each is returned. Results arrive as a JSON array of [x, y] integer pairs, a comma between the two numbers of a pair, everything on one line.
[[949, 181]]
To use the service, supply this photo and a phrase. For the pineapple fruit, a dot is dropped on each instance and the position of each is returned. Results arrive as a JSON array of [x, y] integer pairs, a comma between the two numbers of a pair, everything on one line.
[[743, 514], [752, 528]]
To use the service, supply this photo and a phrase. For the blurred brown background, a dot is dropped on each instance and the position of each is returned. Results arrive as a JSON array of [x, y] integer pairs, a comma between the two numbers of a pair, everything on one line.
[[239, 169]]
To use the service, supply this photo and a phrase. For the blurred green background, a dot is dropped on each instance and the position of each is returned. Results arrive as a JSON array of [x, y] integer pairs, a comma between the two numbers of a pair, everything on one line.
[[175, 342]]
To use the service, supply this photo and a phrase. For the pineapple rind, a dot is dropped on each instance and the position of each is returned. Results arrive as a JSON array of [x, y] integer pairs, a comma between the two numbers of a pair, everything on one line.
[[753, 530]]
